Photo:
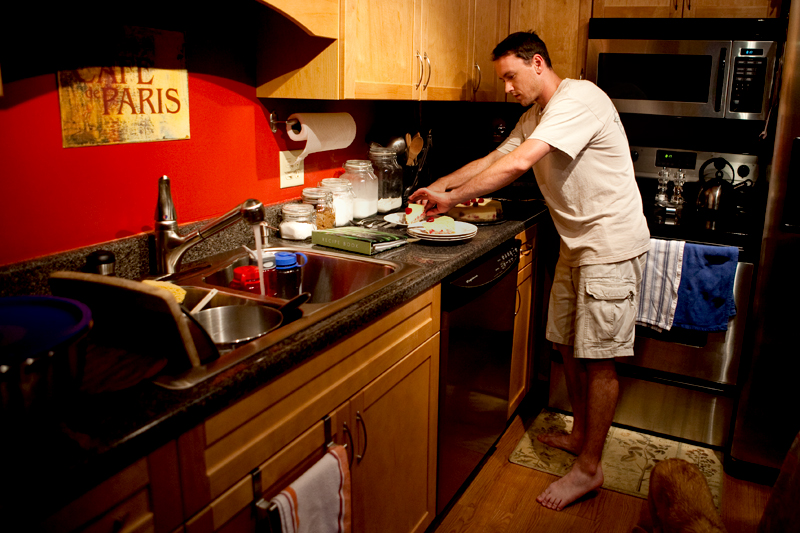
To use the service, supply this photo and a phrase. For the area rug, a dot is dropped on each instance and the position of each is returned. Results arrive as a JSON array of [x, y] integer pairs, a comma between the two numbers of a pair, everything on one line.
[[628, 456]]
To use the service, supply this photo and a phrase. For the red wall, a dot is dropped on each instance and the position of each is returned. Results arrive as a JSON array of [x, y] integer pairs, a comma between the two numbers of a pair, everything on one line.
[[55, 199]]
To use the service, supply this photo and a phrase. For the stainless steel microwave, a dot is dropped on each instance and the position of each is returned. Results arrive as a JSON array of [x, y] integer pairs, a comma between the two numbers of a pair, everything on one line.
[[685, 77]]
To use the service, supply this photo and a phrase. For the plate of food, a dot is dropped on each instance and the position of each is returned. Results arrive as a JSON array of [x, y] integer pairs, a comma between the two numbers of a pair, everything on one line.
[[442, 228], [478, 211]]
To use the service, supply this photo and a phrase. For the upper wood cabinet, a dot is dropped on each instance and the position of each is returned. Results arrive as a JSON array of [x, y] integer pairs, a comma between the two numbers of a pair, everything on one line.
[[491, 27], [686, 8], [380, 49], [564, 27]]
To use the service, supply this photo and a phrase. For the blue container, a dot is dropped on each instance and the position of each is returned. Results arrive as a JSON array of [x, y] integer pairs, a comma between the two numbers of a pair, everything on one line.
[[288, 274]]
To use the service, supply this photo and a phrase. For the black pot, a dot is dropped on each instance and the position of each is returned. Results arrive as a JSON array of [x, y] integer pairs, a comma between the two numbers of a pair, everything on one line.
[[42, 351]]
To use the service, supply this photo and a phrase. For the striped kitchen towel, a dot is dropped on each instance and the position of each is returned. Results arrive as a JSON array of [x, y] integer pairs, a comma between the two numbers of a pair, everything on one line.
[[658, 296], [319, 500]]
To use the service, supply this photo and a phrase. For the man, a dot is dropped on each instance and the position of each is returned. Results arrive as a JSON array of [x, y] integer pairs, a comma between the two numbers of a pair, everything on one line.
[[573, 139]]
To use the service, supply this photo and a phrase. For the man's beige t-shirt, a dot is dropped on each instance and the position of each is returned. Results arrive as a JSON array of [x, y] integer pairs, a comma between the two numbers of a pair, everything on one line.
[[588, 182]]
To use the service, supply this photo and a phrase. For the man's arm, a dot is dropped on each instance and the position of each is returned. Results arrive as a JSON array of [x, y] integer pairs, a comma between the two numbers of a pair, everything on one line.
[[465, 173], [499, 173]]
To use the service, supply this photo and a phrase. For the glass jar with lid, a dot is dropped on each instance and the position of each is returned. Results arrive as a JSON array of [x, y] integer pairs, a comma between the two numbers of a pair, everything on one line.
[[297, 221], [343, 199], [322, 200], [365, 187], [390, 178]]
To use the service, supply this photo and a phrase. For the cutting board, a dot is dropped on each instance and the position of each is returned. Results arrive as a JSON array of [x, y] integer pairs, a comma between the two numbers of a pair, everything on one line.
[[135, 317]]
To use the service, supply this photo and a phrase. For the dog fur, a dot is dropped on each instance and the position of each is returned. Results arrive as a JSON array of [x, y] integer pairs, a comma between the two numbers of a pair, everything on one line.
[[680, 500]]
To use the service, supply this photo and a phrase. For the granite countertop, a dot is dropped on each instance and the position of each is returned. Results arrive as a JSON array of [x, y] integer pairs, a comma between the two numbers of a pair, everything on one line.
[[93, 437]]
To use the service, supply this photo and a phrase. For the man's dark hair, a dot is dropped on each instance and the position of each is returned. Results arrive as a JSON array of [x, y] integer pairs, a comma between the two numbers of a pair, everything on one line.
[[524, 45]]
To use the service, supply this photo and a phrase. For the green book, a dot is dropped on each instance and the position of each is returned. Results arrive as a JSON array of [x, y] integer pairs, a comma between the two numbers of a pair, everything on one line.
[[355, 239]]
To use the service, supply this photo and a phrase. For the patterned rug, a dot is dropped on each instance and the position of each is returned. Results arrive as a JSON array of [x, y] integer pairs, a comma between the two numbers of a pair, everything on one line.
[[628, 456]]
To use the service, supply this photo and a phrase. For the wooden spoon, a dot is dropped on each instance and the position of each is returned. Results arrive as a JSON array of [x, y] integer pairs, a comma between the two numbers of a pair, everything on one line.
[[414, 148]]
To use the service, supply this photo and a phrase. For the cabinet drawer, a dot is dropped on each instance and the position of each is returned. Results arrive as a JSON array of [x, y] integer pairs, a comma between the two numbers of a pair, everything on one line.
[[143, 497], [223, 450]]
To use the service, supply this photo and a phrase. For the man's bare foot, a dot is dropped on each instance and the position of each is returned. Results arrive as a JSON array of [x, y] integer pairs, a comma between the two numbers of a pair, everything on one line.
[[569, 488], [562, 441]]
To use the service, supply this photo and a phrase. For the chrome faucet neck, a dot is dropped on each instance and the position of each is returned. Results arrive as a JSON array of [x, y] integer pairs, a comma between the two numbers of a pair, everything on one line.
[[170, 246]]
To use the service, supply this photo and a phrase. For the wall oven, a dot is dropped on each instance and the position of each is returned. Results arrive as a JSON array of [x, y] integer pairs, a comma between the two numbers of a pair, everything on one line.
[[682, 383], [685, 68]]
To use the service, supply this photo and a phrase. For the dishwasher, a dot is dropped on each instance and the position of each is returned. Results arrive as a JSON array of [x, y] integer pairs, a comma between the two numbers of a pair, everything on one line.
[[477, 330]]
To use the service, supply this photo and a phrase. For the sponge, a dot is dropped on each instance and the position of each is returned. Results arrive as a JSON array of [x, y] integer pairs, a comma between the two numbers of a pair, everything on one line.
[[178, 292]]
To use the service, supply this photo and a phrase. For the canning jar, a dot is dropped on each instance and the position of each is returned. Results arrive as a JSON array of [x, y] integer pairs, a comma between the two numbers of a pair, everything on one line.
[[365, 187], [322, 200], [343, 199], [297, 221], [390, 178]]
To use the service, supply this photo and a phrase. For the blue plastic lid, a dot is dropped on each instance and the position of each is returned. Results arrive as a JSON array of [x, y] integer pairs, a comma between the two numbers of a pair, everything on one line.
[[285, 260], [32, 325]]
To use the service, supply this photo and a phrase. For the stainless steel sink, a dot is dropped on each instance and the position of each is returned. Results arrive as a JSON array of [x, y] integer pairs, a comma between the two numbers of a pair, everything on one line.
[[328, 277], [334, 280]]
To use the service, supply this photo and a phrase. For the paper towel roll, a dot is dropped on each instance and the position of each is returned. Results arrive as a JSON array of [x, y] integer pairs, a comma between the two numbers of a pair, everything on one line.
[[323, 131]]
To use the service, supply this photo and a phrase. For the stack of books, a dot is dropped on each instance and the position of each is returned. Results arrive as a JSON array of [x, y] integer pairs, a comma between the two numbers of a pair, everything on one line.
[[357, 239]]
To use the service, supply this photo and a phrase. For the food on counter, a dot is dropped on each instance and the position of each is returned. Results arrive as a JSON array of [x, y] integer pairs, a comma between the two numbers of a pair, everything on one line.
[[442, 225], [415, 213], [178, 292], [477, 210]]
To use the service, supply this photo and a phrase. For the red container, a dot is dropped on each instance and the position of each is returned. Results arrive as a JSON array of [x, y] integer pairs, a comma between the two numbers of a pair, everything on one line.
[[245, 278]]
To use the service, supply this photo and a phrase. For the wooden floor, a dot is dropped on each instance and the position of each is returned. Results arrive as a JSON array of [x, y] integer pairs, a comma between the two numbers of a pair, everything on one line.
[[502, 498]]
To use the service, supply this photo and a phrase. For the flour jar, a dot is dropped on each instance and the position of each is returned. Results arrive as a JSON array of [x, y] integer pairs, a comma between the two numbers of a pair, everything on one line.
[[390, 178], [365, 187]]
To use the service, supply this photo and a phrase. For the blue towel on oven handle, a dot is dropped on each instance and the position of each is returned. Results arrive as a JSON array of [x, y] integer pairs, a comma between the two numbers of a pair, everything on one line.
[[705, 294]]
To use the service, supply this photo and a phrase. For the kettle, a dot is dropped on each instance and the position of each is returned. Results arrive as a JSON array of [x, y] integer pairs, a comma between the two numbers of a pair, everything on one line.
[[715, 200]]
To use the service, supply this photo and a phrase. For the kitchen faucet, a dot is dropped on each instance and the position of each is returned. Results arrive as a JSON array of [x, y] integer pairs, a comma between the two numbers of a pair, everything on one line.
[[170, 246]]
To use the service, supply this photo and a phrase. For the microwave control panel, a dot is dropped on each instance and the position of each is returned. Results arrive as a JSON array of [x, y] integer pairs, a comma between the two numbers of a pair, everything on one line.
[[750, 78]]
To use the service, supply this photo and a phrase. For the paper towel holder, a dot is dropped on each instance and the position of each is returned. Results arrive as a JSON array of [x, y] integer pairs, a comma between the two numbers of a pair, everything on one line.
[[273, 121]]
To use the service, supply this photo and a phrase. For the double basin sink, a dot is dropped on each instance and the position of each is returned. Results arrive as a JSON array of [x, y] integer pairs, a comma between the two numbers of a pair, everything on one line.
[[333, 281]]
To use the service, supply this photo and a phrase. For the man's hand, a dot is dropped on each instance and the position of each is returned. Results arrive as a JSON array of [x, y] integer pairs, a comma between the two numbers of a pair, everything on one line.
[[435, 202]]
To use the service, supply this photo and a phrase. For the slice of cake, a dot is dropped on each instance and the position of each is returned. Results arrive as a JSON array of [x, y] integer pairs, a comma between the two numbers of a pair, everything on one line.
[[443, 225], [415, 213], [477, 210]]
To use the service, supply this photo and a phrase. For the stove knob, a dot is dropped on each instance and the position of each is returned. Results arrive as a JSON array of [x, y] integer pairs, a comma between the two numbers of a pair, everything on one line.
[[634, 155], [743, 171]]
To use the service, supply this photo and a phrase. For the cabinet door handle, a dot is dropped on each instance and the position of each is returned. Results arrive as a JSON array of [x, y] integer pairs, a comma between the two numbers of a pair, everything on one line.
[[347, 432], [689, 5], [526, 251], [421, 70], [480, 78], [676, 5], [360, 421], [519, 303], [428, 79]]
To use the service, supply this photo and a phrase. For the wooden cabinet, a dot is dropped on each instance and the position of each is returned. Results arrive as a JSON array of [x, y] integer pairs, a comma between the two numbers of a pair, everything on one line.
[[380, 49], [491, 27], [380, 383], [394, 471], [145, 497], [686, 8], [522, 350], [564, 27]]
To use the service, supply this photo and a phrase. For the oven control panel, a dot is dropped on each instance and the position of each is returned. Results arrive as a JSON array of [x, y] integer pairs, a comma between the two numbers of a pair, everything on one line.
[[648, 161]]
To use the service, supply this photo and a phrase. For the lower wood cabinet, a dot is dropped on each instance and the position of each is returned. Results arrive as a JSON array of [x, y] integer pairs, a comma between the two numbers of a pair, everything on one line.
[[522, 350], [375, 392], [144, 497]]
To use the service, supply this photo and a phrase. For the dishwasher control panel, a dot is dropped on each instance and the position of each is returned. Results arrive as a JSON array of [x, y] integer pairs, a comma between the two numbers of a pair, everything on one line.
[[491, 266]]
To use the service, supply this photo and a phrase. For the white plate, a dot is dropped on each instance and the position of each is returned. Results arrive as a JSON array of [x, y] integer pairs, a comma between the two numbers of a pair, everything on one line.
[[396, 218], [464, 230]]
